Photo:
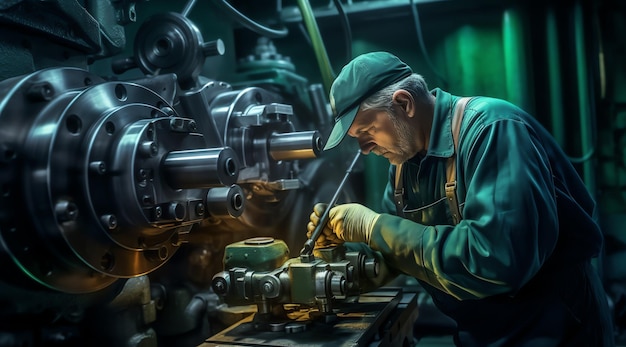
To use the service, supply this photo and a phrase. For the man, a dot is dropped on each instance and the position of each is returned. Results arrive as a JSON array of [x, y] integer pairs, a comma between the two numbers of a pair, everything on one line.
[[485, 210]]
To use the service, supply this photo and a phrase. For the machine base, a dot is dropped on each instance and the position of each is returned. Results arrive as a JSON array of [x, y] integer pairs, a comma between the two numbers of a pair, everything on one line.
[[381, 318]]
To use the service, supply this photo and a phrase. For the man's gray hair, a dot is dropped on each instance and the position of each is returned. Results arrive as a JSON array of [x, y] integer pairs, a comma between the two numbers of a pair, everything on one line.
[[414, 84]]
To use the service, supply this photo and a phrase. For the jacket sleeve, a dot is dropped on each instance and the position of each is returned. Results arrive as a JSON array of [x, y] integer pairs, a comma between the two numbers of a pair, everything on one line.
[[509, 226]]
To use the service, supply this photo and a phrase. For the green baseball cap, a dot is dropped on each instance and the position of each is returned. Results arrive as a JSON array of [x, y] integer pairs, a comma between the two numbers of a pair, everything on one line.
[[358, 80]]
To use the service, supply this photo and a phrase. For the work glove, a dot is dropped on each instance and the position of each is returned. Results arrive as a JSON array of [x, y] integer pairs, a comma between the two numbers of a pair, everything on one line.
[[347, 222]]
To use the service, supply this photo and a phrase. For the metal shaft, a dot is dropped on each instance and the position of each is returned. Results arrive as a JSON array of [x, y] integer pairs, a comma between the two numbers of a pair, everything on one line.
[[201, 168], [310, 243], [296, 145]]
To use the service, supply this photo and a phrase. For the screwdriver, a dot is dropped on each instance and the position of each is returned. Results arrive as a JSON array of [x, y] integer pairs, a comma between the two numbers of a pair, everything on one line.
[[308, 245]]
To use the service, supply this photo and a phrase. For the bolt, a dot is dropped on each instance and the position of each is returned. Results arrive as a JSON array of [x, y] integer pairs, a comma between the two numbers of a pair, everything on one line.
[[158, 212], [149, 148], [150, 132], [109, 221], [40, 92], [192, 126], [200, 209], [177, 124], [7, 154], [107, 261], [147, 199], [168, 111], [268, 287], [98, 167], [219, 286], [66, 211]]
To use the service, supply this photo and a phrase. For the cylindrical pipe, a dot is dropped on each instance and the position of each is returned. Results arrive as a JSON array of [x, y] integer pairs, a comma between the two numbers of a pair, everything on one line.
[[201, 168], [319, 105], [296, 145], [554, 81], [225, 201], [515, 67], [188, 7], [318, 44], [584, 99]]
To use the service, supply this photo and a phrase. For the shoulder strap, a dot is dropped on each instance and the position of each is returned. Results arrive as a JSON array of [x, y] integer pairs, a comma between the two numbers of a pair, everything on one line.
[[398, 193], [451, 195], [450, 187]]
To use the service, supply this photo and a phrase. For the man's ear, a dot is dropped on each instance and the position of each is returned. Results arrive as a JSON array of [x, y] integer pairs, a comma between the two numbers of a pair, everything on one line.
[[405, 101]]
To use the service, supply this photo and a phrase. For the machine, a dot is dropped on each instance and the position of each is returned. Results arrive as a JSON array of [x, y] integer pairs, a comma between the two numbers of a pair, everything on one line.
[[157, 205]]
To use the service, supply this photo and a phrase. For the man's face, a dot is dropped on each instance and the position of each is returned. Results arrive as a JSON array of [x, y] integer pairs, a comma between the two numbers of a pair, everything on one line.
[[384, 134]]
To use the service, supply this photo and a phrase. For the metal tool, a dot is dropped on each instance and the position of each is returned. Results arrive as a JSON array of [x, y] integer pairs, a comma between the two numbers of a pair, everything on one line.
[[309, 244]]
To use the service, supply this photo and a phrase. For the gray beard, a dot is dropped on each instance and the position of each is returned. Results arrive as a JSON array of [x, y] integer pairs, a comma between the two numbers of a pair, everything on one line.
[[405, 142]]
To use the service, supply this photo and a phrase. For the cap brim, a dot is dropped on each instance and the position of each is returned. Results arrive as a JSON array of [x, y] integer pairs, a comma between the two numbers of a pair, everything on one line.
[[340, 129]]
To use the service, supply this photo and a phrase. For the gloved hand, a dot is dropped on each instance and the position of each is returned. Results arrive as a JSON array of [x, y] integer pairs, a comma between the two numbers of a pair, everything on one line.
[[347, 222]]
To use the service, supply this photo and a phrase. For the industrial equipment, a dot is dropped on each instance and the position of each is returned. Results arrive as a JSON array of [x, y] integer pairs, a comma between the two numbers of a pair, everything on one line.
[[379, 318], [121, 194], [306, 281], [320, 290], [297, 299]]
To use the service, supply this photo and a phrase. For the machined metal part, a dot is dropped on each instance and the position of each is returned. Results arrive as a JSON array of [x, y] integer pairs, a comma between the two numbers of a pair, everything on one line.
[[171, 43], [223, 202], [249, 120], [252, 122], [258, 271], [296, 145], [201, 168]]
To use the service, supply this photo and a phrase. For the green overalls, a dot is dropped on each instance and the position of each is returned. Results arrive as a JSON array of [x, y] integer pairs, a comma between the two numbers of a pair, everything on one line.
[[515, 271]]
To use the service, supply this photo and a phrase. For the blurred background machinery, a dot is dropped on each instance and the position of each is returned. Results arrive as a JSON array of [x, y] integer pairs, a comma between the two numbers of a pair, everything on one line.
[[159, 159]]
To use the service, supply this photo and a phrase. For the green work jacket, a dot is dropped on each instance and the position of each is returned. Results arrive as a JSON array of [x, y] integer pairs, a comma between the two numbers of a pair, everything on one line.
[[526, 217]]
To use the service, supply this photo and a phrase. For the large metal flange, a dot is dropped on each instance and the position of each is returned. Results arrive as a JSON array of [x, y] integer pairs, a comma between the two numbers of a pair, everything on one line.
[[85, 179], [30, 120]]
